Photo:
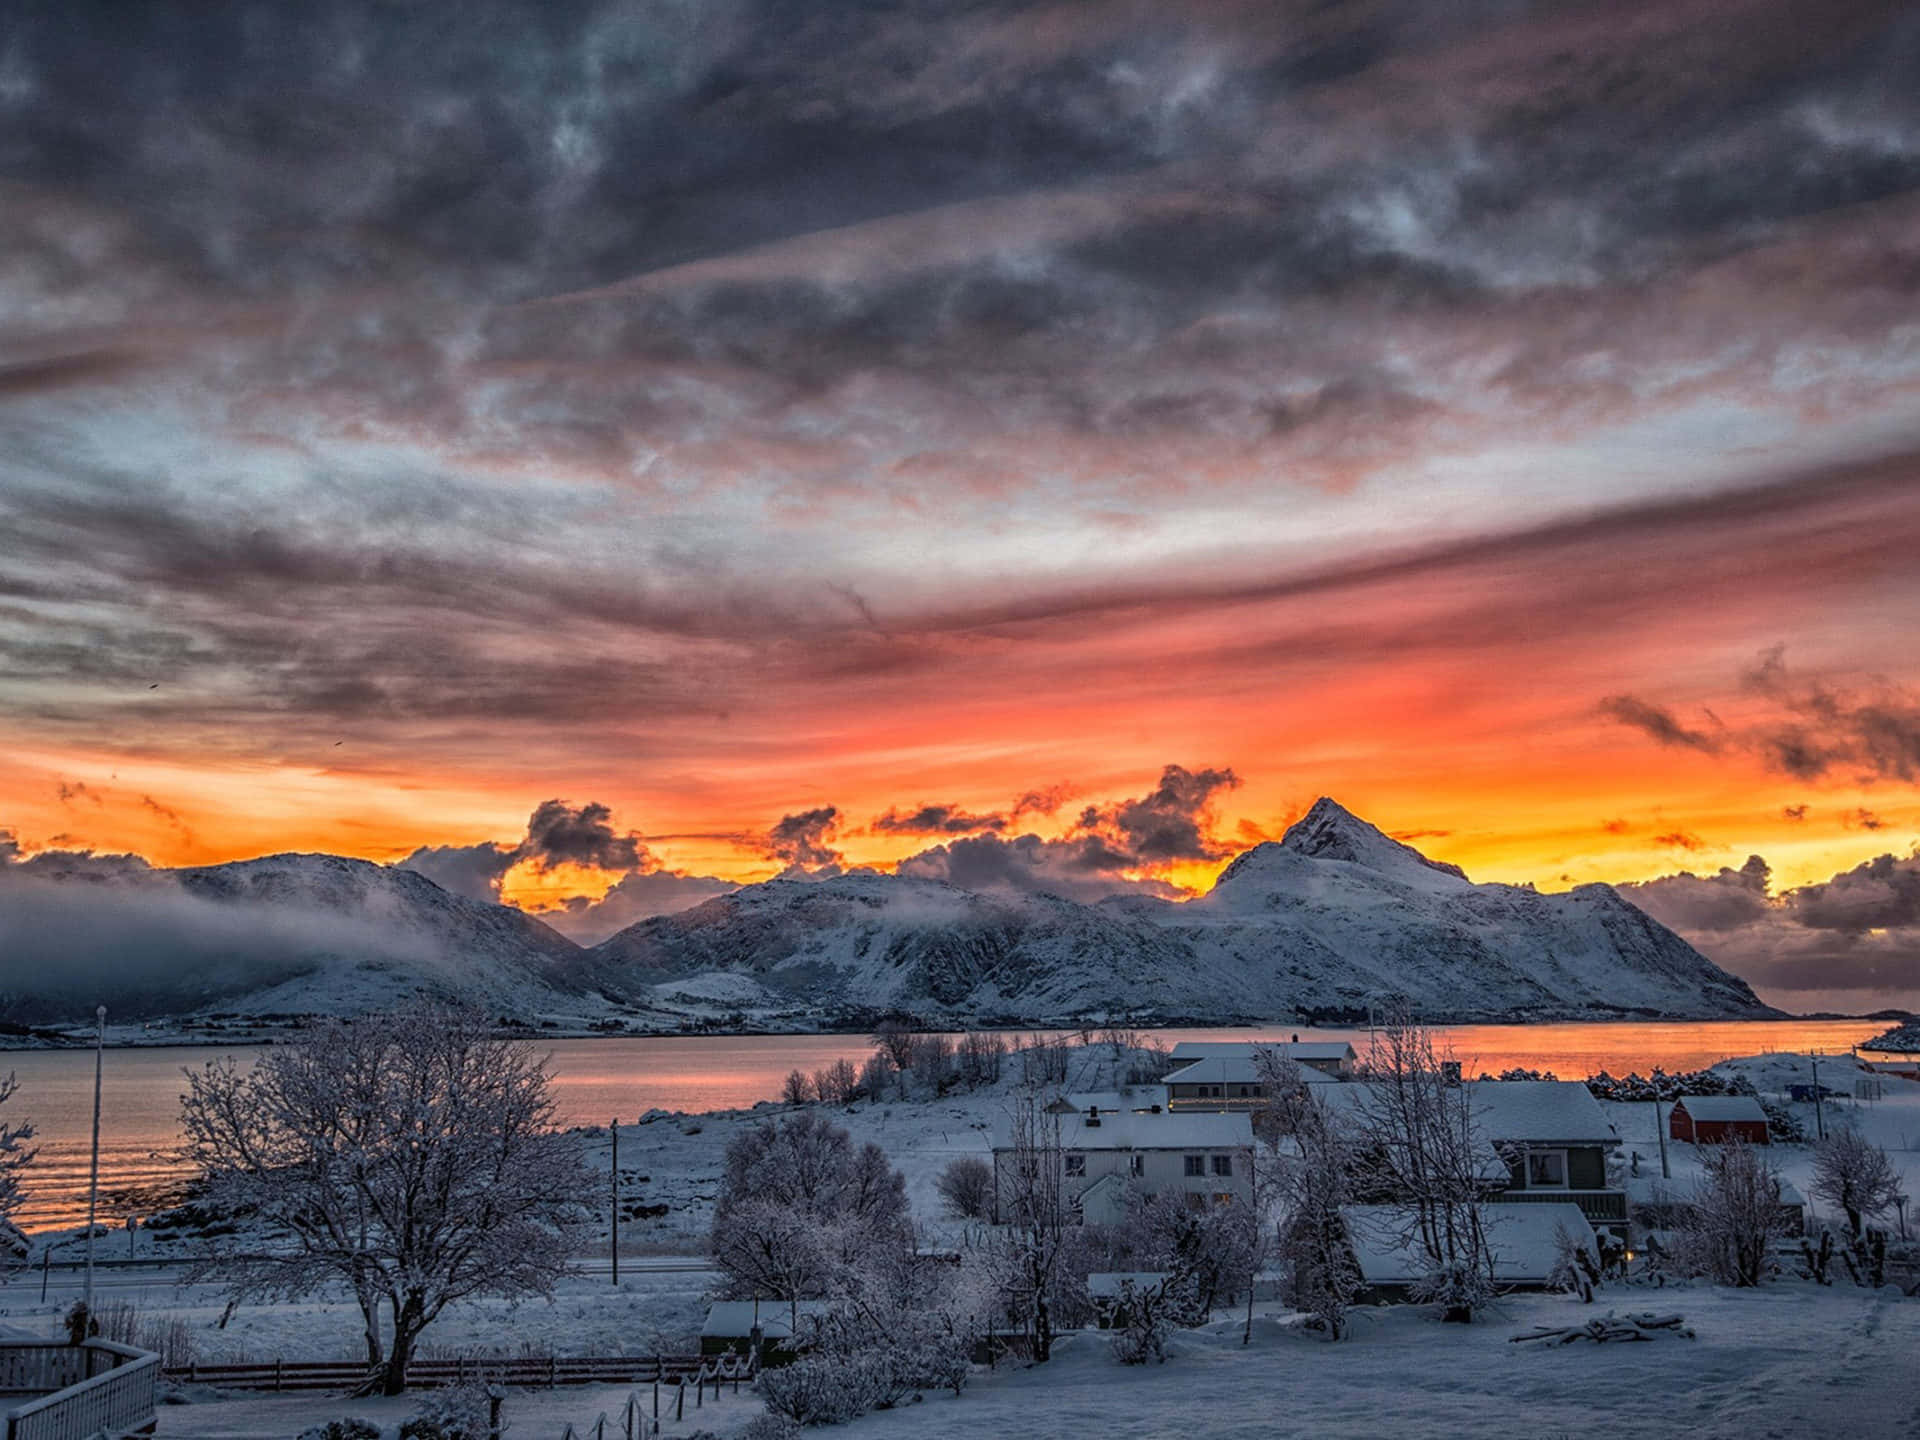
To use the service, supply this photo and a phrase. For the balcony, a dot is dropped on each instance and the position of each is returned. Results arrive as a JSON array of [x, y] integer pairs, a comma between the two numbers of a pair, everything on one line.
[[76, 1392], [1609, 1206]]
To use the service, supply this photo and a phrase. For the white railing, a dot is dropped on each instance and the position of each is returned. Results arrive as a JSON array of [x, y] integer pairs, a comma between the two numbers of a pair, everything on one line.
[[89, 1389]]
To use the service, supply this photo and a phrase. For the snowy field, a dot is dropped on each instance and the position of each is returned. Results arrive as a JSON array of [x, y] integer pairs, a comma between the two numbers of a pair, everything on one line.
[[1790, 1360]]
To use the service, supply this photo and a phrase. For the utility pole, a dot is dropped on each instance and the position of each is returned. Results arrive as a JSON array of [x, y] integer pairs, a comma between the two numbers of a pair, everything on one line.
[[1819, 1111], [1660, 1134], [613, 1129], [93, 1180]]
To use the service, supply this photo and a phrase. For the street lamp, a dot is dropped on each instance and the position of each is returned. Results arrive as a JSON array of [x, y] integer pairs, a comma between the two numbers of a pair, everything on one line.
[[93, 1174]]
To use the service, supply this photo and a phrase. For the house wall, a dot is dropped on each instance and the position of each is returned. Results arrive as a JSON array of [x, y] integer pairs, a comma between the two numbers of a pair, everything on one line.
[[1586, 1168], [1160, 1171]]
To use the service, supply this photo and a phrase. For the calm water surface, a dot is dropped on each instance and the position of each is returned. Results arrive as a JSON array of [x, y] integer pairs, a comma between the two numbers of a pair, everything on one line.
[[621, 1077]]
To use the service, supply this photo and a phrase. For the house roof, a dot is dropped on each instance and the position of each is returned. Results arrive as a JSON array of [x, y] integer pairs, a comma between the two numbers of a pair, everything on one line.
[[1243, 1049], [1105, 1284], [1134, 1097], [1524, 1112], [1235, 1070], [1723, 1107], [1524, 1240], [733, 1319], [1123, 1130]]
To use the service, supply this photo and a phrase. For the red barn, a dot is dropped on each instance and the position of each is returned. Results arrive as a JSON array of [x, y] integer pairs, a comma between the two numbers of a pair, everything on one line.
[[1716, 1119]]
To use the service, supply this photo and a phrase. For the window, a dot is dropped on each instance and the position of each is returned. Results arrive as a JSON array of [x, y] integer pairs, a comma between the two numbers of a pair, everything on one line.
[[1223, 1165], [1076, 1164], [1546, 1169], [1196, 1201], [1136, 1165], [1222, 1197], [1196, 1165]]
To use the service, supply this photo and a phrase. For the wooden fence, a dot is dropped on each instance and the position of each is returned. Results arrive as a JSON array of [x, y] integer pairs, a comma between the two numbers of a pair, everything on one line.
[[520, 1372], [89, 1389]]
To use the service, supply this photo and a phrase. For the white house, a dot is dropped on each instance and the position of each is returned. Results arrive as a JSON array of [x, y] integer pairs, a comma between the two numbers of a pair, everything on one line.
[[1524, 1242], [1135, 1099], [1208, 1158], [1225, 1075]]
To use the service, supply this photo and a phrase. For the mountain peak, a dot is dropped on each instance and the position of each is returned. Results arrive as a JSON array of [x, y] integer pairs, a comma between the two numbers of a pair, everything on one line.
[[1330, 831]]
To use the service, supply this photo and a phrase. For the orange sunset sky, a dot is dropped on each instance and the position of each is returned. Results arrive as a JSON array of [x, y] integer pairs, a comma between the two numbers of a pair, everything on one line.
[[951, 420]]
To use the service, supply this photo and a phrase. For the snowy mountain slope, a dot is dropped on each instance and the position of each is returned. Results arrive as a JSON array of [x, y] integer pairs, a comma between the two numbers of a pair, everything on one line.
[[1334, 915], [277, 935]]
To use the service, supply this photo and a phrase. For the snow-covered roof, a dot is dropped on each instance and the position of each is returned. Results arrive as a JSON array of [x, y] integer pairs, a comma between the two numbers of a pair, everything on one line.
[[1135, 1097], [1524, 1241], [1723, 1107], [1243, 1049], [1105, 1284], [733, 1319], [1123, 1130], [1532, 1112], [1236, 1070], [1540, 1110]]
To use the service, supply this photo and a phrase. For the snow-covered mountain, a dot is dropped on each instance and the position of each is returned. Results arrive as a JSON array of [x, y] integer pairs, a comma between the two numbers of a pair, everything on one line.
[[283, 934], [1332, 917]]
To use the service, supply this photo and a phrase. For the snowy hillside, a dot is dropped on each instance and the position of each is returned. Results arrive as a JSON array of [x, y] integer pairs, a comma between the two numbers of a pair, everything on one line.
[[1334, 915], [277, 935]]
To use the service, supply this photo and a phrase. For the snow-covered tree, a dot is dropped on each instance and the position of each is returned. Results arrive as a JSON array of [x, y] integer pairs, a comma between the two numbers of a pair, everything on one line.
[[1033, 1210], [15, 1156], [895, 1039], [412, 1159], [1309, 1161], [798, 1089], [1420, 1155], [800, 1208], [1854, 1176], [1734, 1217]]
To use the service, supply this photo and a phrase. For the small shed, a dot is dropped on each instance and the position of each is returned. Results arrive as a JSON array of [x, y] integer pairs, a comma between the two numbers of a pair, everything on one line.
[[1717, 1119], [730, 1323]]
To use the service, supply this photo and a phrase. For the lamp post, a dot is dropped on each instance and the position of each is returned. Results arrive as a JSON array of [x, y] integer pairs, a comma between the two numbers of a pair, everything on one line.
[[93, 1172]]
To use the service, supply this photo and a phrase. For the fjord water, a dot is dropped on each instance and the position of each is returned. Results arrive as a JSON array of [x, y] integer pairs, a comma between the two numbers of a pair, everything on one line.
[[622, 1077]]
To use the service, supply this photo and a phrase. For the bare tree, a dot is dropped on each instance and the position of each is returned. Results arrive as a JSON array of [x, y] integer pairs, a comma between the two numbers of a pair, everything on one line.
[[1420, 1156], [798, 1090], [895, 1039], [933, 1062], [1853, 1175], [876, 1075], [1734, 1218], [1309, 1160], [800, 1207], [1032, 1206], [411, 1157], [966, 1186], [981, 1055], [838, 1083], [15, 1156]]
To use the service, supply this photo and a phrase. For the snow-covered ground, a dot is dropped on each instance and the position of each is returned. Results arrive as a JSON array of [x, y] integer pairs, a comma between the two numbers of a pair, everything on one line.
[[1787, 1361]]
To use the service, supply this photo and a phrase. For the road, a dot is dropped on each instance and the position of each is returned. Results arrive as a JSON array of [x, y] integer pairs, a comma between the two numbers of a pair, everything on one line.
[[68, 1277]]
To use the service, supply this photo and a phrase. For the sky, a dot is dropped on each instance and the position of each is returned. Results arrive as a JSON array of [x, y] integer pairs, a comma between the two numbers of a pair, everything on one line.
[[630, 449]]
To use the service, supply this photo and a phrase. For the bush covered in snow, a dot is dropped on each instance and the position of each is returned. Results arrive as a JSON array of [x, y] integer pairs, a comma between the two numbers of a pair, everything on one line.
[[461, 1412], [823, 1389], [352, 1428], [1662, 1086], [770, 1427]]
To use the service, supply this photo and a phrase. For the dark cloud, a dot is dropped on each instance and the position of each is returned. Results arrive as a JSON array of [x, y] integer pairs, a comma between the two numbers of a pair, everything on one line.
[[1171, 823], [1046, 801], [1082, 868], [1877, 735], [558, 834], [801, 839], [1660, 723], [474, 871], [77, 790], [1795, 813], [1850, 941], [938, 820], [1680, 840], [1864, 819]]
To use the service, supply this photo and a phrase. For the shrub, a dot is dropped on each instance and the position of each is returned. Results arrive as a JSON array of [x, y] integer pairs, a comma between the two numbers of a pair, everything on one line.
[[458, 1413], [352, 1428], [770, 1427], [823, 1389], [967, 1188]]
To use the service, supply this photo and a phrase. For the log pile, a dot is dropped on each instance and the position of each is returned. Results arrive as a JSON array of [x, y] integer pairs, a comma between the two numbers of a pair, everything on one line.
[[1645, 1326]]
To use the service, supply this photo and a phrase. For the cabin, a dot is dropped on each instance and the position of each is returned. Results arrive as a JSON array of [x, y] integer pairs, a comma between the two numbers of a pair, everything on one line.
[[1524, 1241], [733, 1325], [1717, 1119], [1226, 1075], [1103, 1155], [61, 1390]]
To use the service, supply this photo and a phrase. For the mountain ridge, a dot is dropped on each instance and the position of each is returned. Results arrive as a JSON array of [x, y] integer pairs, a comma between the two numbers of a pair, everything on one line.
[[1332, 919]]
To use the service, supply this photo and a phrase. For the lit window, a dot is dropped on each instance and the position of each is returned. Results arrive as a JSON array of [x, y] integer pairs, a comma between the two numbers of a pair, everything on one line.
[[1196, 1165], [1076, 1164], [1223, 1165], [1547, 1168], [1221, 1197]]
